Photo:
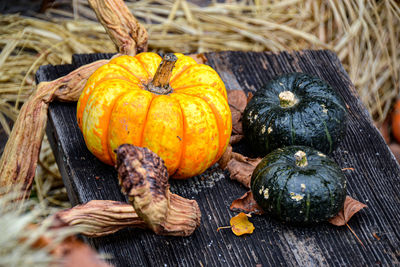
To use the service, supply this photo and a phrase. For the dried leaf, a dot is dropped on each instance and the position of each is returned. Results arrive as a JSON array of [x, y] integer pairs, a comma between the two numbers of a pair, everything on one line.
[[250, 96], [241, 225], [237, 101], [241, 168], [351, 207], [226, 157], [70, 251], [236, 138], [247, 204], [73, 252]]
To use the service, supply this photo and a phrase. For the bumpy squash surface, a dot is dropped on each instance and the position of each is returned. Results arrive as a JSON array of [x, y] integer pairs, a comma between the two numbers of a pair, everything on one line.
[[295, 109], [299, 184], [188, 127]]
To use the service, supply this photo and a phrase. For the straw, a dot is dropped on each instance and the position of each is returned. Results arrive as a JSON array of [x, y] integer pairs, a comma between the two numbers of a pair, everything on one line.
[[365, 35]]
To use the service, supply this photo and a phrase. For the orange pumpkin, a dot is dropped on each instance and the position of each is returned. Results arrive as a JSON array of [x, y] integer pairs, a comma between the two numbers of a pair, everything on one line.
[[181, 113]]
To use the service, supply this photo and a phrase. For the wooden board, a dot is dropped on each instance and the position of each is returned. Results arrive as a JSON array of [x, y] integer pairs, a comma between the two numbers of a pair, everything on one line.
[[374, 181]]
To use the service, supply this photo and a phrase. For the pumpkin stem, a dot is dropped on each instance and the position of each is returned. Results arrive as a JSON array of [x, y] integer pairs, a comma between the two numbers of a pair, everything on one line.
[[160, 84], [301, 159], [287, 99]]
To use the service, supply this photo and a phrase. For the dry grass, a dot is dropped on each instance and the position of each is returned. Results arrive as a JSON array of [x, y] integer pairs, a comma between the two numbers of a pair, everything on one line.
[[364, 34], [19, 239]]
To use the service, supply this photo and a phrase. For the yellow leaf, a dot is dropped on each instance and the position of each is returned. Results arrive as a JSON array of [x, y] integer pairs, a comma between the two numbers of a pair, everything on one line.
[[241, 225]]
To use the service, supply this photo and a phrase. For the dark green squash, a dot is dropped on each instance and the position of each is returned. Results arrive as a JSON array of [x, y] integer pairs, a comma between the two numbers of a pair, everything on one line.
[[294, 109], [299, 184]]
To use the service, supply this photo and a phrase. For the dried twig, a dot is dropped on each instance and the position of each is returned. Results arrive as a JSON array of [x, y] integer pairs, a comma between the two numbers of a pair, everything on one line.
[[144, 178], [363, 33], [17, 169], [124, 30]]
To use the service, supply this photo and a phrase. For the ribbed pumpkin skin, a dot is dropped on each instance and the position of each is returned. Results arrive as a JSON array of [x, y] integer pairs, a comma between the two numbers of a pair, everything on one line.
[[317, 120], [188, 128], [295, 194]]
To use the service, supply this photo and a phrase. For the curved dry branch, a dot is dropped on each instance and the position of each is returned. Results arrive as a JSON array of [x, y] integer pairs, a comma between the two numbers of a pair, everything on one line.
[[99, 217], [144, 178], [19, 160], [125, 31]]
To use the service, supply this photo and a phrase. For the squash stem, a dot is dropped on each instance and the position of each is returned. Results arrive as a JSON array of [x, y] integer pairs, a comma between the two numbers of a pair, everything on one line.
[[287, 99], [160, 84], [301, 159]]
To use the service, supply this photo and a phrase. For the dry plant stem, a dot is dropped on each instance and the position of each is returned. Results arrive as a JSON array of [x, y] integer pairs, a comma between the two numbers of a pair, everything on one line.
[[100, 217], [144, 179], [19, 160], [160, 83], [124, 30], [103, 217]]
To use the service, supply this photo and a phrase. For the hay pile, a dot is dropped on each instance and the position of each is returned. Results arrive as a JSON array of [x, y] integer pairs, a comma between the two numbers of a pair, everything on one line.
[[22, 240], [364, 34]]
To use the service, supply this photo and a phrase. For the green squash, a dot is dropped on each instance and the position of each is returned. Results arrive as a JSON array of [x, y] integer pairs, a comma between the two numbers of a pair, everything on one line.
[[294, 109], [299, 184]]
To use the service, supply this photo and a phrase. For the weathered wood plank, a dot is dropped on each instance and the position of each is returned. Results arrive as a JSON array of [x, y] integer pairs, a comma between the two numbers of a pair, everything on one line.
[[375, 181]]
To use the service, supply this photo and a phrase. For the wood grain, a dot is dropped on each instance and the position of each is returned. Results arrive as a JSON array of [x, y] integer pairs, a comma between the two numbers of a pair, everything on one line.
[[374, 181]]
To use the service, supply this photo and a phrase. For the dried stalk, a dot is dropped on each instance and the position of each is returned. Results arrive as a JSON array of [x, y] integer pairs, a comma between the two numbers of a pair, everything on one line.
[[124, 30], [100, 217], [144, 178], [17, 169], [368, 56], [19, 160]]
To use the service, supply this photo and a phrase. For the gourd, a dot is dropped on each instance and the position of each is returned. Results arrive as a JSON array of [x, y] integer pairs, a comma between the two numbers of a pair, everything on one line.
[[294, 109], [299, 184], [175, 107]]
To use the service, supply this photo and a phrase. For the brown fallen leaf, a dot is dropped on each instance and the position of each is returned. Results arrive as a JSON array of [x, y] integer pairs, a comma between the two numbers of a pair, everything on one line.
[[73, 252], [351, 207], [226, 157], [249, 97], [241, 224], [246, 203], [237, 101], [70, 251], [241, 168], [236, 138]]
